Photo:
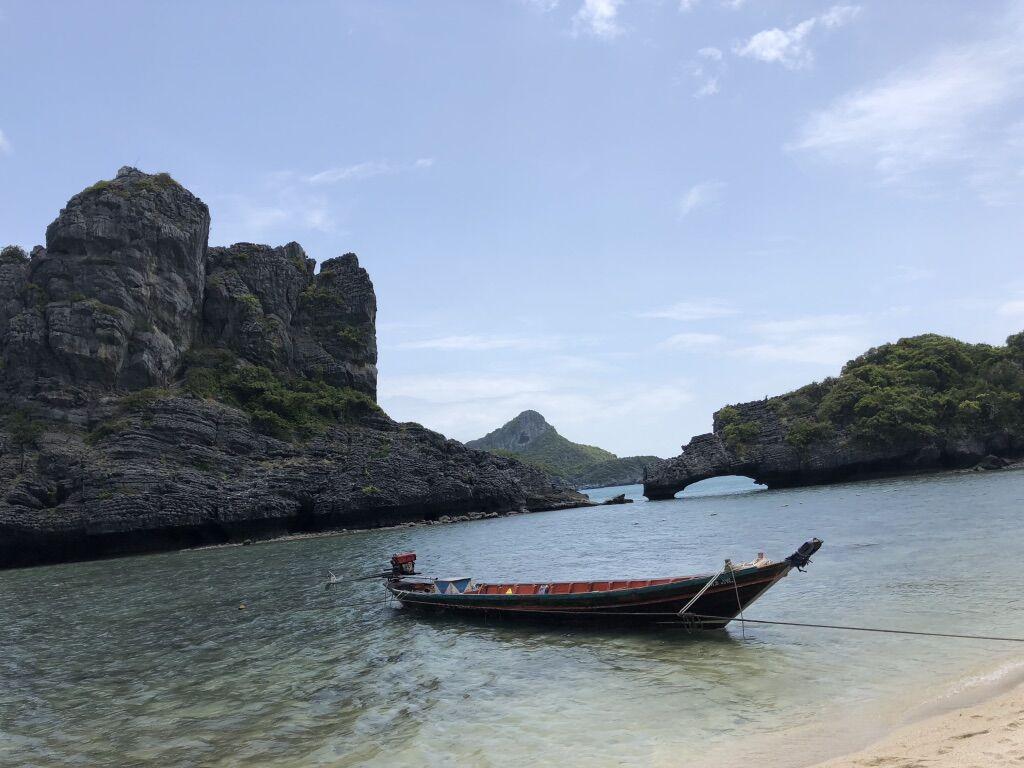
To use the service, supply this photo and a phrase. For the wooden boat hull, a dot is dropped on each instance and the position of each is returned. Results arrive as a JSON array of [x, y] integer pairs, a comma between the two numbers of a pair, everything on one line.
[[656, 604]]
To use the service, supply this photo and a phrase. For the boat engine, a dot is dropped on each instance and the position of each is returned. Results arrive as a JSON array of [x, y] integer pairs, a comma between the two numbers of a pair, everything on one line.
[[403, 564], [802, 556]]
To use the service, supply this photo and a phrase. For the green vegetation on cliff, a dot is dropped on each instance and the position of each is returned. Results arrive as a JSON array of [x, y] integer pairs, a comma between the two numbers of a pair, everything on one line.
[[149, 183], [914, 390], [13, 254], [281, 406], [624, 471]]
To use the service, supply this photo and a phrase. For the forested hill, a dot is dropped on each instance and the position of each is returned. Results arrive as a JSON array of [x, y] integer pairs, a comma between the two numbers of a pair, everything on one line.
[[530, 438], [926, 402]]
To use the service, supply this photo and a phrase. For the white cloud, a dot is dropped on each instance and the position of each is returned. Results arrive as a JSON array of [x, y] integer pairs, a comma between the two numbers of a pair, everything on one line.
[[598, 18], [821, 349], [457, 388], [544, 6], [829, 339], [700, 195], [815, 323], [1012, 308], [784, 46], [908, 273], [839, 15], [707, 71], [260, 218], [475, 343], [258, 213], [686, 311], [352, 172], [691, 341], [789, 46], [708, 88], [5, 145], [288, 199], [468, 405], [366, 170], [959, 110], [685, 6]]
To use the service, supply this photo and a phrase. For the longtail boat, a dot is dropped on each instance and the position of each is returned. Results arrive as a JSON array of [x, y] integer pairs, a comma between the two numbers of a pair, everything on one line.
[[704, 601]]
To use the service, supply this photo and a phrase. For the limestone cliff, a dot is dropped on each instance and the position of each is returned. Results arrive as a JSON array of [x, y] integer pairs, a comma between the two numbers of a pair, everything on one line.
[[922, 403], [267, 305], [158, 393], [114, 299]]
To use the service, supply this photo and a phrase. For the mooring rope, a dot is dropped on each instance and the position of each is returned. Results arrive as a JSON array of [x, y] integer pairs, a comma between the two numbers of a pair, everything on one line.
[[680, 620], [703, 589], [739, 604], [866, 629]]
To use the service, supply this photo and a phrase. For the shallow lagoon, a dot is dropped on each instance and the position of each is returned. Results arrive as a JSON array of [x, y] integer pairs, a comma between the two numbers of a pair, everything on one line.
[[149, 660]]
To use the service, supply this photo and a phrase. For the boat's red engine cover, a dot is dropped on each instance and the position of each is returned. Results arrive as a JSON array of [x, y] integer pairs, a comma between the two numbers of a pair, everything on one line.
[[403, 563]]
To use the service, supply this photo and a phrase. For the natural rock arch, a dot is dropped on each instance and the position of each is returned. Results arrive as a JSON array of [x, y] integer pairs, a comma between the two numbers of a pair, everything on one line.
[[691, 486], [704, 457]]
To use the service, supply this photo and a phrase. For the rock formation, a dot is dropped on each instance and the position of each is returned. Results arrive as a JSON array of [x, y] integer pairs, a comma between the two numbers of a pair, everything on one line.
[[114, 299], [923, 403], [266, 305], [158, 393]]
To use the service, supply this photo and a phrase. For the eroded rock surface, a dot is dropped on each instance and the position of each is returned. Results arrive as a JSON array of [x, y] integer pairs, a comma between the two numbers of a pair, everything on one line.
[[114, 299], [267, 305]]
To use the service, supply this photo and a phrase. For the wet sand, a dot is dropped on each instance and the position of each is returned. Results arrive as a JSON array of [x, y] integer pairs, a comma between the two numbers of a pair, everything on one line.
[[986, 735]]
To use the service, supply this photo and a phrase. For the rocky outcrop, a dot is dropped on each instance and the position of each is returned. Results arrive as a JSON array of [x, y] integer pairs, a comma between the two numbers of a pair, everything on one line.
[[336, 338], [267, 305], [157, 393], [178, 471], [114, 299], [920, 404], [620, 499], [516, 435]]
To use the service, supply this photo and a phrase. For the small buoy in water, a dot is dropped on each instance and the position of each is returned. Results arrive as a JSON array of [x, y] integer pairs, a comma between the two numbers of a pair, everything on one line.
[[241, 606]]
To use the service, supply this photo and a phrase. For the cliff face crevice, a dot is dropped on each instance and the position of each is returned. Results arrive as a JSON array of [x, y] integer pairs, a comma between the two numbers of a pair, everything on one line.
[[158, 393]]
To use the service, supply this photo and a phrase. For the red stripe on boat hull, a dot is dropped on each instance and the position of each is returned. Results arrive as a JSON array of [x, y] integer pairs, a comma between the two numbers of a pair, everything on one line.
[[646, 605]]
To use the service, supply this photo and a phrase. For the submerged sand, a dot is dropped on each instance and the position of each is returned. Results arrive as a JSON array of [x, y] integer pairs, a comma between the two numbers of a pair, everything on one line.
[[987, 735]]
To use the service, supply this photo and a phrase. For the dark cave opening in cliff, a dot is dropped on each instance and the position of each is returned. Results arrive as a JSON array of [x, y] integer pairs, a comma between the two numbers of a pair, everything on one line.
[[725, 485]]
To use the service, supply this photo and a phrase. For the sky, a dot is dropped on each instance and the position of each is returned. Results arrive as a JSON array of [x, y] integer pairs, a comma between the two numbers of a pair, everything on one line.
[[624, 214]]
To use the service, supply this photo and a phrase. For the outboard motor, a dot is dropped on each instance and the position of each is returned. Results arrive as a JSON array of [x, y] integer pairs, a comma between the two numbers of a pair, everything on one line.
[[802, 556], [403, 564]]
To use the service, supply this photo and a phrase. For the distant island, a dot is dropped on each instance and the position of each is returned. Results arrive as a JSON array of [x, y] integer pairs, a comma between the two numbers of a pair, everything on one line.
[[530, 438], [923, 403], [158, 393]]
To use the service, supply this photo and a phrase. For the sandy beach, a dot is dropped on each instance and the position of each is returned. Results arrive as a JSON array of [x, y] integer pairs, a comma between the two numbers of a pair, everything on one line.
[[986, 735]]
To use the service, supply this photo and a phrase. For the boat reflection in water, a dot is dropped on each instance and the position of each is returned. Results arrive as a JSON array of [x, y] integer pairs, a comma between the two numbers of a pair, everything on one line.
[[703, 601]]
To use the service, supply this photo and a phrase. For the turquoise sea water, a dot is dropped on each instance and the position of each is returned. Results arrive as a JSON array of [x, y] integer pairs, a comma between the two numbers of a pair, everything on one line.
[[149, 661]]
